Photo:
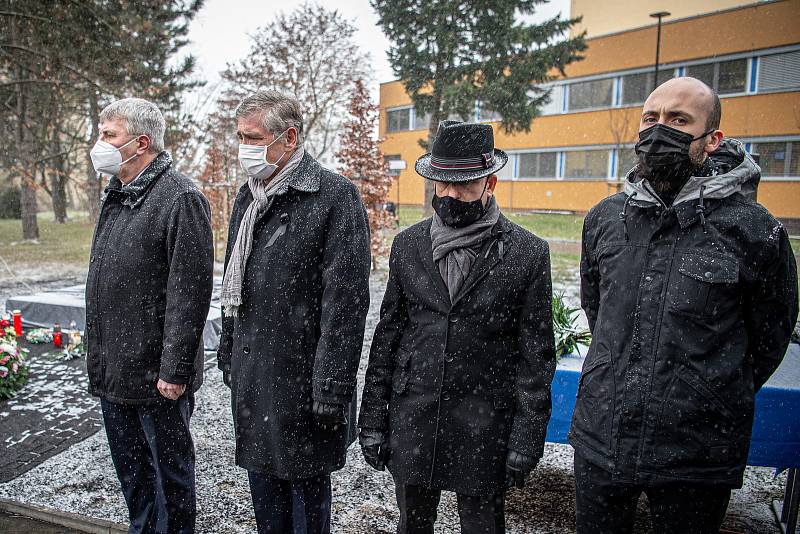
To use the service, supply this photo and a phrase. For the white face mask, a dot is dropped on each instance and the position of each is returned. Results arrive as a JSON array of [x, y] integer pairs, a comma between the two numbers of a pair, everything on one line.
[[107, 158], [253, 159]]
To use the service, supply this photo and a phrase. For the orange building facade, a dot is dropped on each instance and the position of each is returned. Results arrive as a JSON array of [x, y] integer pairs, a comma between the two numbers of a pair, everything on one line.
[[582, 144]]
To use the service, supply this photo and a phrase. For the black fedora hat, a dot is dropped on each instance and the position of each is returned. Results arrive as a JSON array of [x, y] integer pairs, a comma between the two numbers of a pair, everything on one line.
[[461, 152]]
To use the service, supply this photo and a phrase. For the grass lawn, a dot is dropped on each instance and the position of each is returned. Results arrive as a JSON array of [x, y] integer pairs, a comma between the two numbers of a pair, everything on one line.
[[545, 225], [58, 243]]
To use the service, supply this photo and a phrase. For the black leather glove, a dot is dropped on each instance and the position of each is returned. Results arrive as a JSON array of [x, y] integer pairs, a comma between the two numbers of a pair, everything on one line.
[[374, 447], [226, 377], [329, 413], [518, 466]]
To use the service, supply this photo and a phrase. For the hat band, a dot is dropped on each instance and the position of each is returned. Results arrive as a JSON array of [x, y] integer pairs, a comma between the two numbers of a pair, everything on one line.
[[484, 161]]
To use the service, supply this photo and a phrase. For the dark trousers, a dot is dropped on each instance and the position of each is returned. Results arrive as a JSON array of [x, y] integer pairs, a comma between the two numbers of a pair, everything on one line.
[[153, 454], [609, 507], [477, 515], [291, 506]]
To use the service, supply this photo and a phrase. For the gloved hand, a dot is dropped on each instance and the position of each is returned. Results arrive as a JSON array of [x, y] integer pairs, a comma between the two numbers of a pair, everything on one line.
[[374, 447], [226, 373], [518, 466], [329, 413]]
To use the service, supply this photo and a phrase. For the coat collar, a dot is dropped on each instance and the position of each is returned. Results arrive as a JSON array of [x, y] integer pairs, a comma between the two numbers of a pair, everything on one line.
[[135, 192], [492, 253]]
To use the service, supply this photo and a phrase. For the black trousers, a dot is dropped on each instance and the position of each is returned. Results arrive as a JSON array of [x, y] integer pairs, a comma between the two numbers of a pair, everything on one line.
[[291, 506], [153, 454], [609, 507], [478, 515]]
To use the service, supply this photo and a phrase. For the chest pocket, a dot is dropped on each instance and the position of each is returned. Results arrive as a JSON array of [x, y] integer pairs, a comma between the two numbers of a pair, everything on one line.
[[703, 286]]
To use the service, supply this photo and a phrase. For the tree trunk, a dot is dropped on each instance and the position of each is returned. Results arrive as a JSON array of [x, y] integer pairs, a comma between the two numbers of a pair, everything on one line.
[[58, 180], [28, 208], [436, 117], [94, 184]]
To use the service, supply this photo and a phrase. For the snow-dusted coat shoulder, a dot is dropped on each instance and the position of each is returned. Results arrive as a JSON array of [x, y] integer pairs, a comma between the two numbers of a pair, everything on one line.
[[299, 331], [457, 384]]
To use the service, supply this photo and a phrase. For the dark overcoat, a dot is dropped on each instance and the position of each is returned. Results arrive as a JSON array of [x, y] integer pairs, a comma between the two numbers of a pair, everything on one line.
[[691, 308], [458, 384], [149, 286], [299, 331]]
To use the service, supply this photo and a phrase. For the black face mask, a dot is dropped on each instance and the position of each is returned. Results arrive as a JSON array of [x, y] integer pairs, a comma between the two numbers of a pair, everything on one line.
[[457, 213], [663, 152]]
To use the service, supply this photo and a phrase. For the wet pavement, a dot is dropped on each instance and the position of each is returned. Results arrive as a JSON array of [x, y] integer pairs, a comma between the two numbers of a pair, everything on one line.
[[17, 524]]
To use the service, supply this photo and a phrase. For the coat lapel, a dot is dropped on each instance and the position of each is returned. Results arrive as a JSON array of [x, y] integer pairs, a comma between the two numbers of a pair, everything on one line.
[[488, 258], [425, 250]]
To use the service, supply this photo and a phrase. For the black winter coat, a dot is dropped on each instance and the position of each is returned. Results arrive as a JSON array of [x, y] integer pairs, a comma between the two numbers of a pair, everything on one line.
[[299, 331], [691, 308], [456, 385], [149, 286]]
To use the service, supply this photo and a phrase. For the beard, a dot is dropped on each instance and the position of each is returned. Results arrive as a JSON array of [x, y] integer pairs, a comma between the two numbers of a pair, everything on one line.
[[670, 180]]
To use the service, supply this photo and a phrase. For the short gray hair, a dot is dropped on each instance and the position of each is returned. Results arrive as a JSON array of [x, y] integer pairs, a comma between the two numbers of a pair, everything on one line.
[[279, 112], [141, 117]]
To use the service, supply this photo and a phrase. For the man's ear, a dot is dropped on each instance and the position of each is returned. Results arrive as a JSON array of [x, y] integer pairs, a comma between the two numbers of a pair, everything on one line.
[[491, 183], [713, 141], [290, 140], [143, 144]]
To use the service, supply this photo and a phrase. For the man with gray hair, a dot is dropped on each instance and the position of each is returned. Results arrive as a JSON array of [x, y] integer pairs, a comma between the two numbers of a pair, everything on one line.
[[295, 296], [147, 297]]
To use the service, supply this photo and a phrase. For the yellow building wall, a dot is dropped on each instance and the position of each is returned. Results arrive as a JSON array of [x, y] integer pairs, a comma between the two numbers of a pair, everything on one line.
[[759, 115], [611, 16], [762, 26]]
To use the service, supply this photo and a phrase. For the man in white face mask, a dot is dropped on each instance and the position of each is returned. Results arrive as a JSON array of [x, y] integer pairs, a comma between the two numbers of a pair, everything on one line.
[[295, 296], [147, 297]]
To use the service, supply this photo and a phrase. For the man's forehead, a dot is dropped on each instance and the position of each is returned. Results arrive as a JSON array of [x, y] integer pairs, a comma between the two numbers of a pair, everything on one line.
[[678, 97], [251, 123], [112, 125]]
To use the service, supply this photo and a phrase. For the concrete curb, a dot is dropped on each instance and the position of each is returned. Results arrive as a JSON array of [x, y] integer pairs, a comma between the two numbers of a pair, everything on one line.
[[64, 519]]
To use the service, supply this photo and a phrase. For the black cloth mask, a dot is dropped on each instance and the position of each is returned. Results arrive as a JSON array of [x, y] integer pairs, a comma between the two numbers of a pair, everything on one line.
[[663, 152], [457, 213]]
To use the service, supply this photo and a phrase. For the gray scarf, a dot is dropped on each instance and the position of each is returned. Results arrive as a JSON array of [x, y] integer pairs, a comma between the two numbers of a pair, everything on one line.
[[262, 191], [455, 249]]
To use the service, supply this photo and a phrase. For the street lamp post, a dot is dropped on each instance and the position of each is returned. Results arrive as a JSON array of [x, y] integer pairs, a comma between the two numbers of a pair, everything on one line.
[[659, 15]]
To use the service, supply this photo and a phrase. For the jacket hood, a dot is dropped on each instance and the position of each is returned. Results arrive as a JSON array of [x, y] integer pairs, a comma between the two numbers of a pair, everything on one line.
[[738, 171]]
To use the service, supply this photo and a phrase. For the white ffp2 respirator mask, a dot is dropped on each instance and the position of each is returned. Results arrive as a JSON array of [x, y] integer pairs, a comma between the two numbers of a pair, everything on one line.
[[107, 158]]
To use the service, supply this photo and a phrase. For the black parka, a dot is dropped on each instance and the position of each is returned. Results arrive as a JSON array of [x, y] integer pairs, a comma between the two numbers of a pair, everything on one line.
[[458, 384], [300, 328], [691, 309], [149, 286]]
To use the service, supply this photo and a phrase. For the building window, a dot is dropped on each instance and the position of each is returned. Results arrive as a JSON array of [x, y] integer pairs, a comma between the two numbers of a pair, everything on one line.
[[636, 87], [422, 121], [485, 114], [778, 72], [398, 120], [556, 102], [626, 160], [507, 172], [778, 159], [585, 164], [537, 165], [592, 94], [725, 77]]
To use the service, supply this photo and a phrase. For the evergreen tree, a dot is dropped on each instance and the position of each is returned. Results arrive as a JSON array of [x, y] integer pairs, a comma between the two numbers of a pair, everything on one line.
[[451, 53], [362, 162]]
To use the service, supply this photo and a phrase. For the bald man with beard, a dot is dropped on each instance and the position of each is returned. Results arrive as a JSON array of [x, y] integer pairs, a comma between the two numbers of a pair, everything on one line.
[[690, 290]]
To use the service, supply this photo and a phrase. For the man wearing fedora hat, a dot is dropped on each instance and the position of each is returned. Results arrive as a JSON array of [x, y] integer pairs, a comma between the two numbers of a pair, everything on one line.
[[457, 392]]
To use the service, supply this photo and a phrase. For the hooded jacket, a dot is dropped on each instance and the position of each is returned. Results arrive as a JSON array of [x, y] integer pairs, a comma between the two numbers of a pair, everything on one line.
[[691, 309]]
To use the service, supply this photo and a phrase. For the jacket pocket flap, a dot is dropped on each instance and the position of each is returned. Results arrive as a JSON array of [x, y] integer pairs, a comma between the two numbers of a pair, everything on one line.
[[705, 391], [589, 366], [711, 269]]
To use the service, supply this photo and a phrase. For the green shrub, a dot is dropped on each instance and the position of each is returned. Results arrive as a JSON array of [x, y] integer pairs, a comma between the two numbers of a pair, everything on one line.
[[10, 202]]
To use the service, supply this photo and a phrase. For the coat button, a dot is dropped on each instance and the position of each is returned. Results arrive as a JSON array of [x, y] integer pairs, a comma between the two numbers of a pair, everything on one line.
[[454, 319], [648, 278], [448, 357], [92, 260], [708, 274], [446, 396], [246, 350]]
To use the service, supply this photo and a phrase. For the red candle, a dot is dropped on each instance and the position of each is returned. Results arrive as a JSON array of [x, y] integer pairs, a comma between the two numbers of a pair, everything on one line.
[[17, 323], [57, 335]]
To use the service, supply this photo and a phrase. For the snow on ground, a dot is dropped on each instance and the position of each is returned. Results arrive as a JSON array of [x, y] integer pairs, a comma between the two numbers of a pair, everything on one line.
[[82, 480]]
